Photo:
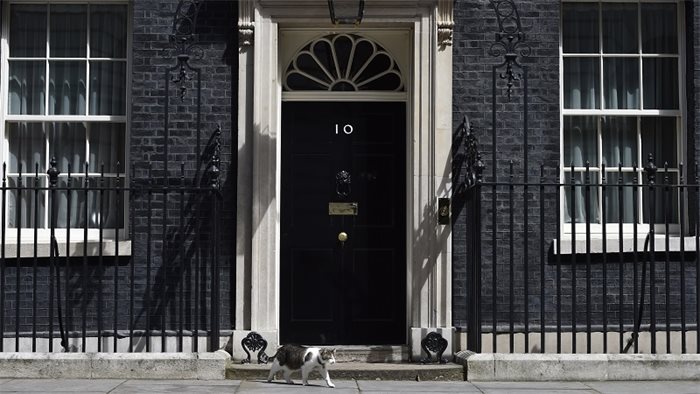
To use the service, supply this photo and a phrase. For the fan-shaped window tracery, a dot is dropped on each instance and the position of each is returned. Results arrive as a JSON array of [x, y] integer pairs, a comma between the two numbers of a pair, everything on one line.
[[343, 62]]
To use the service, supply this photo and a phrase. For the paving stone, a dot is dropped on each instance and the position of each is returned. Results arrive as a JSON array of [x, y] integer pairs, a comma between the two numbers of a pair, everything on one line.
[[516, 391], [531, 386], [341, 386], [420, 387], [679, 387], [60, 385], [43, 392], [176, 386]]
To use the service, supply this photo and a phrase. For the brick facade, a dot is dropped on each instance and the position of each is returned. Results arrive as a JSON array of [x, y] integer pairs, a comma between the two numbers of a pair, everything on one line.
[[475, 25], [151, 57]]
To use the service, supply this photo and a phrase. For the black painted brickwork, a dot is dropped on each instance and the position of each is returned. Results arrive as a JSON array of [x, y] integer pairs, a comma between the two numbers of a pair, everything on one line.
[[152, 23], [475, 25]]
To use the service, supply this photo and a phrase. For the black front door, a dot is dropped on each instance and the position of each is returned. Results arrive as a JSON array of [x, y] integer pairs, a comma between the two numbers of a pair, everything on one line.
[[343, 177]]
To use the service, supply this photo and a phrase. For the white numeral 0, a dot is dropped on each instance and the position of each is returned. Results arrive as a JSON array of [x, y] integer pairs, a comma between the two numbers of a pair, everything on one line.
[[347, 129]]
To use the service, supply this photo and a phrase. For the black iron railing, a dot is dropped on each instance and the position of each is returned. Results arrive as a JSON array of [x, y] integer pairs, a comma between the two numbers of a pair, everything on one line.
[[136, 268], [553, 263], [580, 270]]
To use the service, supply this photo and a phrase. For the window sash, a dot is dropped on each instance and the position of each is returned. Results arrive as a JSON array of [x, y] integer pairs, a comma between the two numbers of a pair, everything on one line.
[[601, 111], [87, 58], [88, 61]]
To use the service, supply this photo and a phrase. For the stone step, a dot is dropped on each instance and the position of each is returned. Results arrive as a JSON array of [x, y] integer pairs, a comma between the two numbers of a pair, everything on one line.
[[358, 371], [371, 354]]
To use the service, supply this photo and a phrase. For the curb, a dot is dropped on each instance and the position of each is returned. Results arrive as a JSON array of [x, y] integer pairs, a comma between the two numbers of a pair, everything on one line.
[[580, 367], [199, 366]]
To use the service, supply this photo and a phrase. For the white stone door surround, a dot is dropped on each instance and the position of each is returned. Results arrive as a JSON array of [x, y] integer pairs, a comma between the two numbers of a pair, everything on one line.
[[428, 25]]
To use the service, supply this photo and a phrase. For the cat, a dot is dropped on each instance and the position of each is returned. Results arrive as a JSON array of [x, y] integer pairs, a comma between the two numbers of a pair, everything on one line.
[[294, 357]]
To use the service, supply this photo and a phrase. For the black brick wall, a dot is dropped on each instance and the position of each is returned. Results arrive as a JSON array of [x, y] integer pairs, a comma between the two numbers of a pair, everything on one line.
[[218, 64], [475, 28], [475, 25], [151, 58]]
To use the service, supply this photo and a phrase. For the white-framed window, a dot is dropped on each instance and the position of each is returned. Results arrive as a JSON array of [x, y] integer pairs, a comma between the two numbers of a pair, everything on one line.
[[65, 95], [621, 99]]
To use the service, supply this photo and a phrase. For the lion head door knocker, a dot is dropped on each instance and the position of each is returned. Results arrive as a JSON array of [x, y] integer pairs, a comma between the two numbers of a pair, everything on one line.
[[342, 183]]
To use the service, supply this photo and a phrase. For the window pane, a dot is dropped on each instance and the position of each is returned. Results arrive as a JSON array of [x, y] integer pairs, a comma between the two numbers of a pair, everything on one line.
[[67, 145], [102, 206], [581, 194], [27, 145], [26, 88], [659, 137], [580, 28], [106, 147], [581, 81], [619, 135], [614, 191], [621, 83], [661, 83], [665, 203], [107, 87], [108, 31], [659, 28], [25, 206], [67, 88], [68, 31], [580, 141], [28, 30], [620, 33], [77, 203]]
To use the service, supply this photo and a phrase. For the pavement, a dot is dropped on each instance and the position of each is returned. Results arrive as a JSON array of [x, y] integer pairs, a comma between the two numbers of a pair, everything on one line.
[[342, 386]]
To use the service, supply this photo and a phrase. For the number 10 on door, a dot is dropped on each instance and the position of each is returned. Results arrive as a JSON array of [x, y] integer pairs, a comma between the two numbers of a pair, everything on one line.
[[347, 129]]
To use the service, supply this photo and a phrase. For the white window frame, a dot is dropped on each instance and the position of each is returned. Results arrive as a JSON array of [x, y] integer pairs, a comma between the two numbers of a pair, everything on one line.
[[77, 235], [612, 228]]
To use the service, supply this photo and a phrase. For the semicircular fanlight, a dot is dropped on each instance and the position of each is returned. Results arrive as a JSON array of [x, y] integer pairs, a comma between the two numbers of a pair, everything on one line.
[[341, 63]]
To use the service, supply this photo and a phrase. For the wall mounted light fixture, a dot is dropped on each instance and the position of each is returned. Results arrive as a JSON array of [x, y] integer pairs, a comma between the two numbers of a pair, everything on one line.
[[340, 14]]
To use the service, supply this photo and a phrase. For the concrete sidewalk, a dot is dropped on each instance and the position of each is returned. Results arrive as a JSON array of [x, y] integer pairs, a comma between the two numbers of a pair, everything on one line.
[[342, 386]]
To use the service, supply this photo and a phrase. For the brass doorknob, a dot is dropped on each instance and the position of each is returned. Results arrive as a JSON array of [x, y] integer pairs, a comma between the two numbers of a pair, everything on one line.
[[342, 236]]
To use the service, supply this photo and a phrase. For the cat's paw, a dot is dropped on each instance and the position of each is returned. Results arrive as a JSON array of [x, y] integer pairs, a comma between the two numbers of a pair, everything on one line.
[[306, 383], [331, 385]]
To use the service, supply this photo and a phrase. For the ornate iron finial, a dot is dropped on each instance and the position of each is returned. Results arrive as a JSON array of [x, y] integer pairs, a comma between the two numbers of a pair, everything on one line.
[[214, 169], [184, 41], [651, 170], [434, 342], [53, 172], [256, 343], [475, 166], [510, 42], [479, 168]]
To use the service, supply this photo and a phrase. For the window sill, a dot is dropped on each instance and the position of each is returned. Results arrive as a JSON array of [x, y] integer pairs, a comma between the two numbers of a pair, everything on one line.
[[77, 249], [628, 244]]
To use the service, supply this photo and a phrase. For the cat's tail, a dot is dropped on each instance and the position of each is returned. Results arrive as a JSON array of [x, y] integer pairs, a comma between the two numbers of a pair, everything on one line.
[[272, 358]]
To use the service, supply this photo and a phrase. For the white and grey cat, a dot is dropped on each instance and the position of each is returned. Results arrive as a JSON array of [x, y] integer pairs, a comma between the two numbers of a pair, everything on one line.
[[291, 358]]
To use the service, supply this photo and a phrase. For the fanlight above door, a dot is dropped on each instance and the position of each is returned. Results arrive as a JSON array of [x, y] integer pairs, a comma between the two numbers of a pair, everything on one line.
[[343, 63]]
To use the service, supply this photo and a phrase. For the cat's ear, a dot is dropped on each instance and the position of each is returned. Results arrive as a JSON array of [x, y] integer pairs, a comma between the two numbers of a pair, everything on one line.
[[333, 351]]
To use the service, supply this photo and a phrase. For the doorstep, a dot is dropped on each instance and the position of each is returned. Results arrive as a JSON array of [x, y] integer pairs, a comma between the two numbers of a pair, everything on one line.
[[359, 371]]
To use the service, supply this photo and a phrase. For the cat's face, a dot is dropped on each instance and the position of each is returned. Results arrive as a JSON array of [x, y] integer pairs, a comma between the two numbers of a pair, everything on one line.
[[328, 356]]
